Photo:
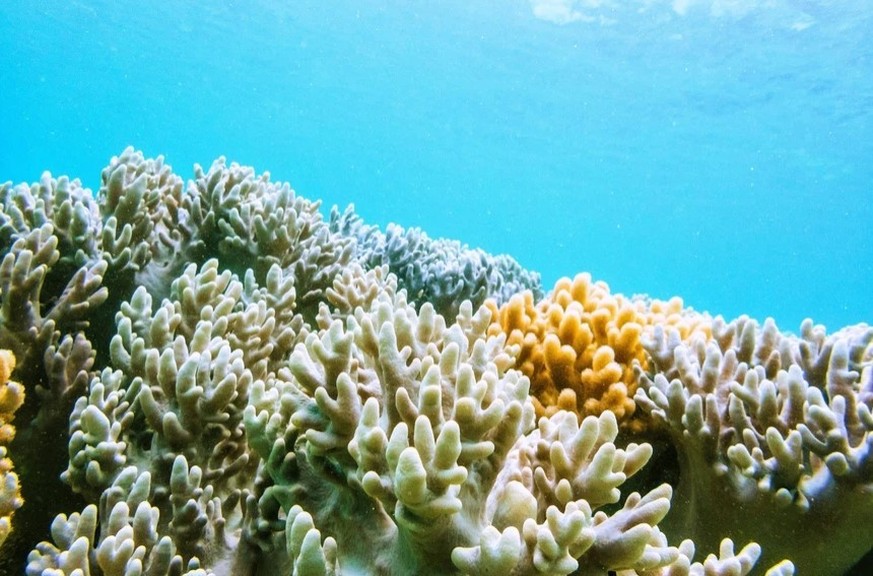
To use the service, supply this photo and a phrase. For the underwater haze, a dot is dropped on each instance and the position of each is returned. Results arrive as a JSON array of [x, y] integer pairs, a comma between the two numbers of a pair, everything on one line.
[[719, 150]]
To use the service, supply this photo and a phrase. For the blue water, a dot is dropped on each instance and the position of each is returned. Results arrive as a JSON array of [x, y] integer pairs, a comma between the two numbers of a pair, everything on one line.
[[720, 150]]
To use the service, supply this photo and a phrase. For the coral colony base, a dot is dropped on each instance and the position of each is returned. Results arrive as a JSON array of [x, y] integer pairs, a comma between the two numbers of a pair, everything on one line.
[[210, 378]]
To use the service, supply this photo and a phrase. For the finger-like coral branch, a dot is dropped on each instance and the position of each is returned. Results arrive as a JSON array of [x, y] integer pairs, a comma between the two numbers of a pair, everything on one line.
[[749, 426]]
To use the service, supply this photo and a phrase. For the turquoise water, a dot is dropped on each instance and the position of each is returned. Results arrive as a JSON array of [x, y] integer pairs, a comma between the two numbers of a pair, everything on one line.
[[721, 150]]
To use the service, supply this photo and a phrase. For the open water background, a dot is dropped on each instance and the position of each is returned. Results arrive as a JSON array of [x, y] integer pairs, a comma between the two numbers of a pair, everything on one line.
[[720, 150]]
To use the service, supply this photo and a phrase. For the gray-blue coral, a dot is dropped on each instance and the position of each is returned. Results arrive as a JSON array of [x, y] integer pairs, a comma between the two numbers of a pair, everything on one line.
[[442, 272]]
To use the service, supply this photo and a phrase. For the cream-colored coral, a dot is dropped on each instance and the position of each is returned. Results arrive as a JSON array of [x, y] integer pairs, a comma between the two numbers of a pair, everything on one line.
[[253, 223], [118, 537], [143, 231], [173, 404], [281, 411], [356, 287]]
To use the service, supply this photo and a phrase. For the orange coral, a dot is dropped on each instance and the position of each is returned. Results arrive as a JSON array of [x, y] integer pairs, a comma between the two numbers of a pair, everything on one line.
[[578, 346], [11, 398]]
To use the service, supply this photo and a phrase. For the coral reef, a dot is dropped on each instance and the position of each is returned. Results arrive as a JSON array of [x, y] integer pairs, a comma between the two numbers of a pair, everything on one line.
[[219, 382]]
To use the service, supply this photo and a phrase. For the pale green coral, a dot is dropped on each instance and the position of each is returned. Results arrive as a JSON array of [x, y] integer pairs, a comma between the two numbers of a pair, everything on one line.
[[773, 426], [253, 224], [145, 230], [64, 204], [118, 537]]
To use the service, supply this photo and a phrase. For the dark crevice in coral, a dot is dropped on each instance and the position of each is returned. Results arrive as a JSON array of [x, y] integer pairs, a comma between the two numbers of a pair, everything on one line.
[[40, 457], [864, 567]]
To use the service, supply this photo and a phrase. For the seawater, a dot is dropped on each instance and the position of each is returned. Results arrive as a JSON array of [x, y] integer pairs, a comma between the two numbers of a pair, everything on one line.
[[717, 150]]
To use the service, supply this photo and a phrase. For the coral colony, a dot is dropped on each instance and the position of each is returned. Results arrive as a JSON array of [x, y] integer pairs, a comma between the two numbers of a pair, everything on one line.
[[212, 378]]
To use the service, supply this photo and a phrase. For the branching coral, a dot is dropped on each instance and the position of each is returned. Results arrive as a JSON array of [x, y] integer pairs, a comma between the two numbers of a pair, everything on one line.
[[154, 226], [142, 229], [406, 418], [421, 429], [37, 304], [771, 427], [145, 236], [252, 223], [173, 406], [442, 272], [391, 419], [118, 537], [579, 344], [50, 291]]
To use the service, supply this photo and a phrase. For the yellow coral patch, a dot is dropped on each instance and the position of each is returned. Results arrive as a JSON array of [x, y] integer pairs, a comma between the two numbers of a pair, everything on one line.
[[11, 398], [578, 346], [7, 365]]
